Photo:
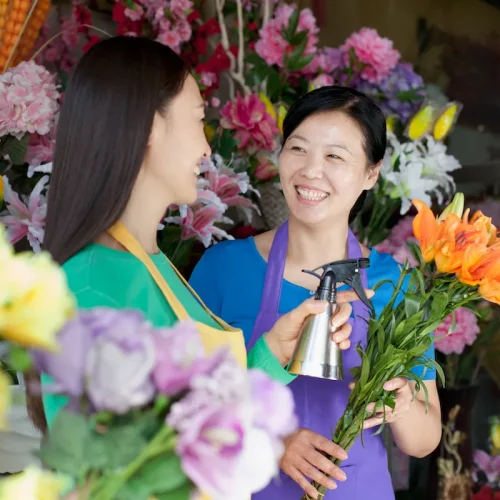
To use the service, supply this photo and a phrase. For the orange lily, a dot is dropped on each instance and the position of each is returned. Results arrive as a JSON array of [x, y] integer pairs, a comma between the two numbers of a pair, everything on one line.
[[425, 228], [482, 222], [480, 263], [490, 290]]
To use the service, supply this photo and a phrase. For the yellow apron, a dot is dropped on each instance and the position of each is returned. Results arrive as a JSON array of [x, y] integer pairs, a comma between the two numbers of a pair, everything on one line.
[[212, 338]]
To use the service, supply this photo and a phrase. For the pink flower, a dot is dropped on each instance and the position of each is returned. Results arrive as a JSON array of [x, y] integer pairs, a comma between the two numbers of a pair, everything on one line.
[[271, 45], [208, 78], [229, 186], [266, 170], [40, 150], [28, 100], [255, 127], [69, 28], [199, 223], [215, 102], [322, 81], [489, 465], [170, 39], [135, 13], [465, 333], [181, 7], [376, 52], [184, 29], [25, 218], [326, 60], [396, 243]]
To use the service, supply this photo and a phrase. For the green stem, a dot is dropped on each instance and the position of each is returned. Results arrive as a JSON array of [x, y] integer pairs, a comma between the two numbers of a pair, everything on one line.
[[163, 442]]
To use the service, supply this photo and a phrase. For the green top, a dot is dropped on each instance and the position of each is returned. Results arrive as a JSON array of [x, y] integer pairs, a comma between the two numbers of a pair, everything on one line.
[[99, 276]]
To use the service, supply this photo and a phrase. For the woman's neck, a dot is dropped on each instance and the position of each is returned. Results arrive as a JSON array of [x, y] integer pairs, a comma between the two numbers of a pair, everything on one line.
[[313, 246]]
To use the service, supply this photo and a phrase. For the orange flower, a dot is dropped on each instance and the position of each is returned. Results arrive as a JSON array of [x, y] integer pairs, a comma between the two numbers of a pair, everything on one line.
[[483, 223], [480, 263], [425, 228], [456, 238], [490, 290]]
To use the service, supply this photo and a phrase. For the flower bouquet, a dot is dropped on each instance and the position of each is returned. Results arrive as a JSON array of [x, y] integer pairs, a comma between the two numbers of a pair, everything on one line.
[[458, 260]]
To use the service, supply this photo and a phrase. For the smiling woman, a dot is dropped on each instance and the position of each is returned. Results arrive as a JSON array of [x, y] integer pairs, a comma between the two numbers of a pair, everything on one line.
[[334, 143]]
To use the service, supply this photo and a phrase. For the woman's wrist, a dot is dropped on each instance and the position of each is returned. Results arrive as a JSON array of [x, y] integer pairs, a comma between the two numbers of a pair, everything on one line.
[[274, 346]]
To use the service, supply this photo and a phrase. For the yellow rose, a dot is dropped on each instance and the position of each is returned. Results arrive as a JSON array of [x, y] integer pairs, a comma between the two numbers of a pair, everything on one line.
[[4, 398], [35, 301], [32, 484]]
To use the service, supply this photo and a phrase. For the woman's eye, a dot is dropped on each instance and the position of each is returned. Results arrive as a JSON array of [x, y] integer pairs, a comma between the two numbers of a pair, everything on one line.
[[296, 148], [335, 157]]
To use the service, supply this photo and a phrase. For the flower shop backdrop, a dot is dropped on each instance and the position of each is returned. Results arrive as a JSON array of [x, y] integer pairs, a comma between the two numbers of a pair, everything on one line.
[[252, 59]]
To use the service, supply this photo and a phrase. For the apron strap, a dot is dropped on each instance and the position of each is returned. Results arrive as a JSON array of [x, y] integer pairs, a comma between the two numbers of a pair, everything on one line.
[[123, 236]]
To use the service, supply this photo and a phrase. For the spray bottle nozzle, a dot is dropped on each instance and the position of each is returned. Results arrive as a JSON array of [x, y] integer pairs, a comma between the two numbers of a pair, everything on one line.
[[344, 271]]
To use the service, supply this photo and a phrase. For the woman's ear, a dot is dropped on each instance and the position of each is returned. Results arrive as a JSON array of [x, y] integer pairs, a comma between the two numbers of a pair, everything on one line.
[[373, 175]]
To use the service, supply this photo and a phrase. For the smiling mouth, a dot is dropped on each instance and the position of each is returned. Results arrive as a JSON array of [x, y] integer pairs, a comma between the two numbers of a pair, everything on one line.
[[311, 194]]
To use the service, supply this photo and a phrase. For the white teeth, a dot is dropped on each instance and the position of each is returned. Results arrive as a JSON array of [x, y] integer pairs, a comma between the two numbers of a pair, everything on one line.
[[311, 195], [197, 171]]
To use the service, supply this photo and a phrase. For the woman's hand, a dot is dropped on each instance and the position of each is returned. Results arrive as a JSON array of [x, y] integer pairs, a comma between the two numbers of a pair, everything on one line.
[[304, 458], [283, 336], [404, 398]]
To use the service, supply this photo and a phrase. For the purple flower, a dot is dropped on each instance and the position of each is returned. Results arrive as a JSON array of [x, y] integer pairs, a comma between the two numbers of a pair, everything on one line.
[[230, 429], [273, 405], [180, 357], [120, 363], [394, 92]]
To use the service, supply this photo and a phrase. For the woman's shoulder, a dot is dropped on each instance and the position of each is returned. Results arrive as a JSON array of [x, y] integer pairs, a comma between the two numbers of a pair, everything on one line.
[[383, 266], [229, 251]]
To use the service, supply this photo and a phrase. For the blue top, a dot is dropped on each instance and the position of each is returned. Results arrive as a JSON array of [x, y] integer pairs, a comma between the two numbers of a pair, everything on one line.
[[230, 279]]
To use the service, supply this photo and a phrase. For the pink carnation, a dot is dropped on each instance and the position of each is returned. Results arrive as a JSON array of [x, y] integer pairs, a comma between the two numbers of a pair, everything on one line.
[[28, 100], [272, 47], [396, 243], [465, 333], [376, 52], [255, 127]]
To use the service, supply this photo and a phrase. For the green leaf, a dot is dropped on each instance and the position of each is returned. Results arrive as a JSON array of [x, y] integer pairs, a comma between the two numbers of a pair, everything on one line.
[[64, 448], [16, 148], [439, 304], [299, 48], [298, 64], [293, 23], [182, 493], [273, 84], [255, 60], [225, 144], [412, 305], [299, 38], [163, 474], [365, 370], [20, 359], [453, 325], [124, 443]]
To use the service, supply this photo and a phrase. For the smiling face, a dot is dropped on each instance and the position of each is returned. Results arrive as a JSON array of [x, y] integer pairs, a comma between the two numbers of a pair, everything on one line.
[[324, 168]]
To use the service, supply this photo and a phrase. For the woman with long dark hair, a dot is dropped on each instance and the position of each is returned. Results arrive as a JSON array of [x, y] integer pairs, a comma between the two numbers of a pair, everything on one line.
[[334, 140], [129, 143]]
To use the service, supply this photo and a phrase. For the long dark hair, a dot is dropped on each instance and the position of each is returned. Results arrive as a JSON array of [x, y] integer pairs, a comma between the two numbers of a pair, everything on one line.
[[354, 104], [102, 135]]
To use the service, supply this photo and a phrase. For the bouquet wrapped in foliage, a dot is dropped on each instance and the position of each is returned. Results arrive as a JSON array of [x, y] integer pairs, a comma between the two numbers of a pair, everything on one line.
[[148, 413], [458, 260]]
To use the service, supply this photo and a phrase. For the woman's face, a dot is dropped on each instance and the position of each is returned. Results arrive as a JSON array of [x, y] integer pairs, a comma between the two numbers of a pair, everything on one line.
[[177, 145], [323, 168]]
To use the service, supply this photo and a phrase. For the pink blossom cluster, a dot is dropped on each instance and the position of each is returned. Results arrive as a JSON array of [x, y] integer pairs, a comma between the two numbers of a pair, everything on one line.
[[376, 53], [396, 243], [173, 29], [219, 187], [465, 332], [489, 465], [271, 45], [255, 129], [28, 100]]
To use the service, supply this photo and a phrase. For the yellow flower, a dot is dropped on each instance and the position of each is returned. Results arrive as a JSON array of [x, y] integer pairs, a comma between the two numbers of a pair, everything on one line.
[[269, 105], [390, 123], [35, 301], [4, 399], [209, 132], [281, 117], [32, 484], [446, 120], [1, 188], [422, 122]]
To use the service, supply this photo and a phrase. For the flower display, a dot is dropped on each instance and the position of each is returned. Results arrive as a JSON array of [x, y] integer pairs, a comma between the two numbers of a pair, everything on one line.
[[32, 484]]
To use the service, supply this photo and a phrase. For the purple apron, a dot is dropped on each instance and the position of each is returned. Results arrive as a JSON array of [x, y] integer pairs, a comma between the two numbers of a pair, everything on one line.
[[320, 403]]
